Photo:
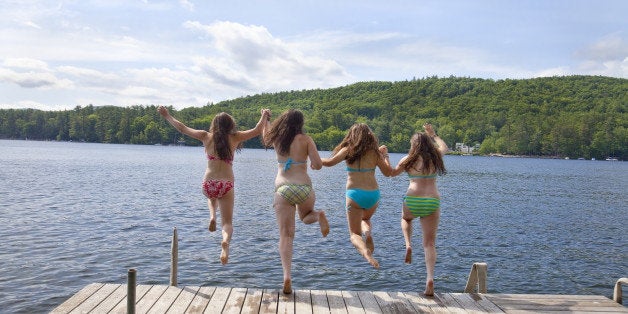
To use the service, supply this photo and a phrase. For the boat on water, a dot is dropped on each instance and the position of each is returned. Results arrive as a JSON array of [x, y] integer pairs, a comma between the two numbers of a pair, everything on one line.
[[611, 159]]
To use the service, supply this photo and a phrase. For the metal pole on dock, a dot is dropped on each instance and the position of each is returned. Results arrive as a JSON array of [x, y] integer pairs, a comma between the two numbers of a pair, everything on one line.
[[174, 257], [617, 295], [130, 294], [477, 278]]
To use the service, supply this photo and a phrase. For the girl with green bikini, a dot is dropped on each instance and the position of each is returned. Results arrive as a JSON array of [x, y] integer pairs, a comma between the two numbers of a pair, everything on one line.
[[359, 149], [293, 187], [422, 164]]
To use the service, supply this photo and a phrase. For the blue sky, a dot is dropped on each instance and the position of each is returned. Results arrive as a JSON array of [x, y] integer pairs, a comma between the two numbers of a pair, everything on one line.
[[57, 55]]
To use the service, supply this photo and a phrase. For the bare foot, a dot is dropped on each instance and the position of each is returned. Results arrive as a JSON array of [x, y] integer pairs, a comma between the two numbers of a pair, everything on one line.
[[224, 254], [322, 221], [429, 288], [369, 243], [287, 286], [369, 258], [408, 255], [212, 225]]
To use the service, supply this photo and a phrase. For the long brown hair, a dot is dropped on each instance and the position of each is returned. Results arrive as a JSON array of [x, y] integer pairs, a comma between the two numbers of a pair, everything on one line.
[[422, 146], [283, 130], [221, 127], [358, 141]]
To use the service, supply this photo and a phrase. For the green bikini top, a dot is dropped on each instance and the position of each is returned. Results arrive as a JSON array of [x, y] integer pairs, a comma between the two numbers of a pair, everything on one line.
[[349, 169], [422, 176]]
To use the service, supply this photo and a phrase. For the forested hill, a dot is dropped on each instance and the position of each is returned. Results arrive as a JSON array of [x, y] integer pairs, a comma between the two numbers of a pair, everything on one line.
[[573, 116]]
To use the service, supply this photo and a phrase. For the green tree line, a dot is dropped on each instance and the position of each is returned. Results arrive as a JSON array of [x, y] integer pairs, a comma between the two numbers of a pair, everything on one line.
[[570, 116]]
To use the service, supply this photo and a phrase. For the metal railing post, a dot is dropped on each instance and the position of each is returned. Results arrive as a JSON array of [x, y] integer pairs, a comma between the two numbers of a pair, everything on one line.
[[130, 294], [477, 277], [174, 257], [617, 293]]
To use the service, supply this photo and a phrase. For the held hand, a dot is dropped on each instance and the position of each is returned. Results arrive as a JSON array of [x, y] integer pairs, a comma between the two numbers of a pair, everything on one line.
[[383, 149], [266, 114], [429, 130], [163, 111]]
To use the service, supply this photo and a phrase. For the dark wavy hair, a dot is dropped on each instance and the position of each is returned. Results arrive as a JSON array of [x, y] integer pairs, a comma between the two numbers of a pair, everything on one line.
[[283, 130], [358, 141], [422, 146], [221, 127]]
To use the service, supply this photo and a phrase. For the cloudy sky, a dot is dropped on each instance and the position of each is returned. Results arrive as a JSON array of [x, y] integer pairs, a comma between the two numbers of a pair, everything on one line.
[[57, 55]]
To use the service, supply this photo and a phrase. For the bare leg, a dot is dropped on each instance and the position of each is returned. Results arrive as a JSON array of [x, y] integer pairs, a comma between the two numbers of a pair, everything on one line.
[[226, 219], [212, 204], [366, 229], [406, 228], [429, 226], [308, 215], [286, 223], [354, 219]]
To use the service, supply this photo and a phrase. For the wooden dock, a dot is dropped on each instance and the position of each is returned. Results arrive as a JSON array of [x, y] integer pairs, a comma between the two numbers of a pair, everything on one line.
[[111, 298]]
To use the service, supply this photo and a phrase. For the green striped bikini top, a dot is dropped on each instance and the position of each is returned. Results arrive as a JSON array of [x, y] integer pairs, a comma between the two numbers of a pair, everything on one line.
[[349, 169], [422, 176]]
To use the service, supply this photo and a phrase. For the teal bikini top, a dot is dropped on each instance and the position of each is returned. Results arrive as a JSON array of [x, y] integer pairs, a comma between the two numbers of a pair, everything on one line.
[[422, 176], [289, 162], [349, 169]]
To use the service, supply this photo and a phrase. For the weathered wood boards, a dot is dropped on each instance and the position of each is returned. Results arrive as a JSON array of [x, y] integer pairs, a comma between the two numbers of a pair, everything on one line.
[[103, 298]]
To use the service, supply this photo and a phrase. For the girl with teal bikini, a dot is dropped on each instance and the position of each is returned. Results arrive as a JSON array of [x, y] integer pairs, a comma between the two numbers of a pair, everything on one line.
[[293, 187], [359, 149], [422, 164]]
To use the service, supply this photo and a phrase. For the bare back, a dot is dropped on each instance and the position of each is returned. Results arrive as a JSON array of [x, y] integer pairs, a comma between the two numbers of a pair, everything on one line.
[[422, 183], [302, 148], [364, 178]]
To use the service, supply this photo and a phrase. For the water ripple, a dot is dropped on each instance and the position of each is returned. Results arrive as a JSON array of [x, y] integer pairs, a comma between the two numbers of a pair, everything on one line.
[[543, 226]]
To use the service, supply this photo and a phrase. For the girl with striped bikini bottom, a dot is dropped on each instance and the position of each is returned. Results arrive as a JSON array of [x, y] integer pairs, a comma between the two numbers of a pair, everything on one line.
[[422, 164]]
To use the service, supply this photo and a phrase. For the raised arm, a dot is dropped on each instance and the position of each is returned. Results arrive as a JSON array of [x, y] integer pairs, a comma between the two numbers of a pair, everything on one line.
[[257, 130], [442, 146], [336, 158], [197, 134]]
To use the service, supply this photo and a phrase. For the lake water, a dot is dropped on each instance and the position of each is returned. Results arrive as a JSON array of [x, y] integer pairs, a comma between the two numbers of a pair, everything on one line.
[[76, 213]]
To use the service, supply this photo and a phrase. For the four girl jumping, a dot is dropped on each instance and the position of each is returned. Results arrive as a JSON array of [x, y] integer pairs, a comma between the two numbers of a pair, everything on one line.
[[293, 188]]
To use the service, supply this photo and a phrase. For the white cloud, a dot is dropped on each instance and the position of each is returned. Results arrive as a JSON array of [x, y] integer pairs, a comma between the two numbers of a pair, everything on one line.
[[187, 5], [252, 58], [608, 56], [31, 73]]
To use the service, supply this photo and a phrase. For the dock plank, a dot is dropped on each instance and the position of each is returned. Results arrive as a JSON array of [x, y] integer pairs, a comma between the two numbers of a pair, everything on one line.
[[369, 303], [235, 301], [140, 290], [252, 301], [286, 303], [200, 300], [103, 298], [351, 302], [144, 304], [391, 304], [336, 302], [183, 300], [449, 302], [112, 300], [270, 300], [218, 300], [302, 301], [78, 298], [320, 304], [424, 304], [166, 300], [95, 299], [468, 303]]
